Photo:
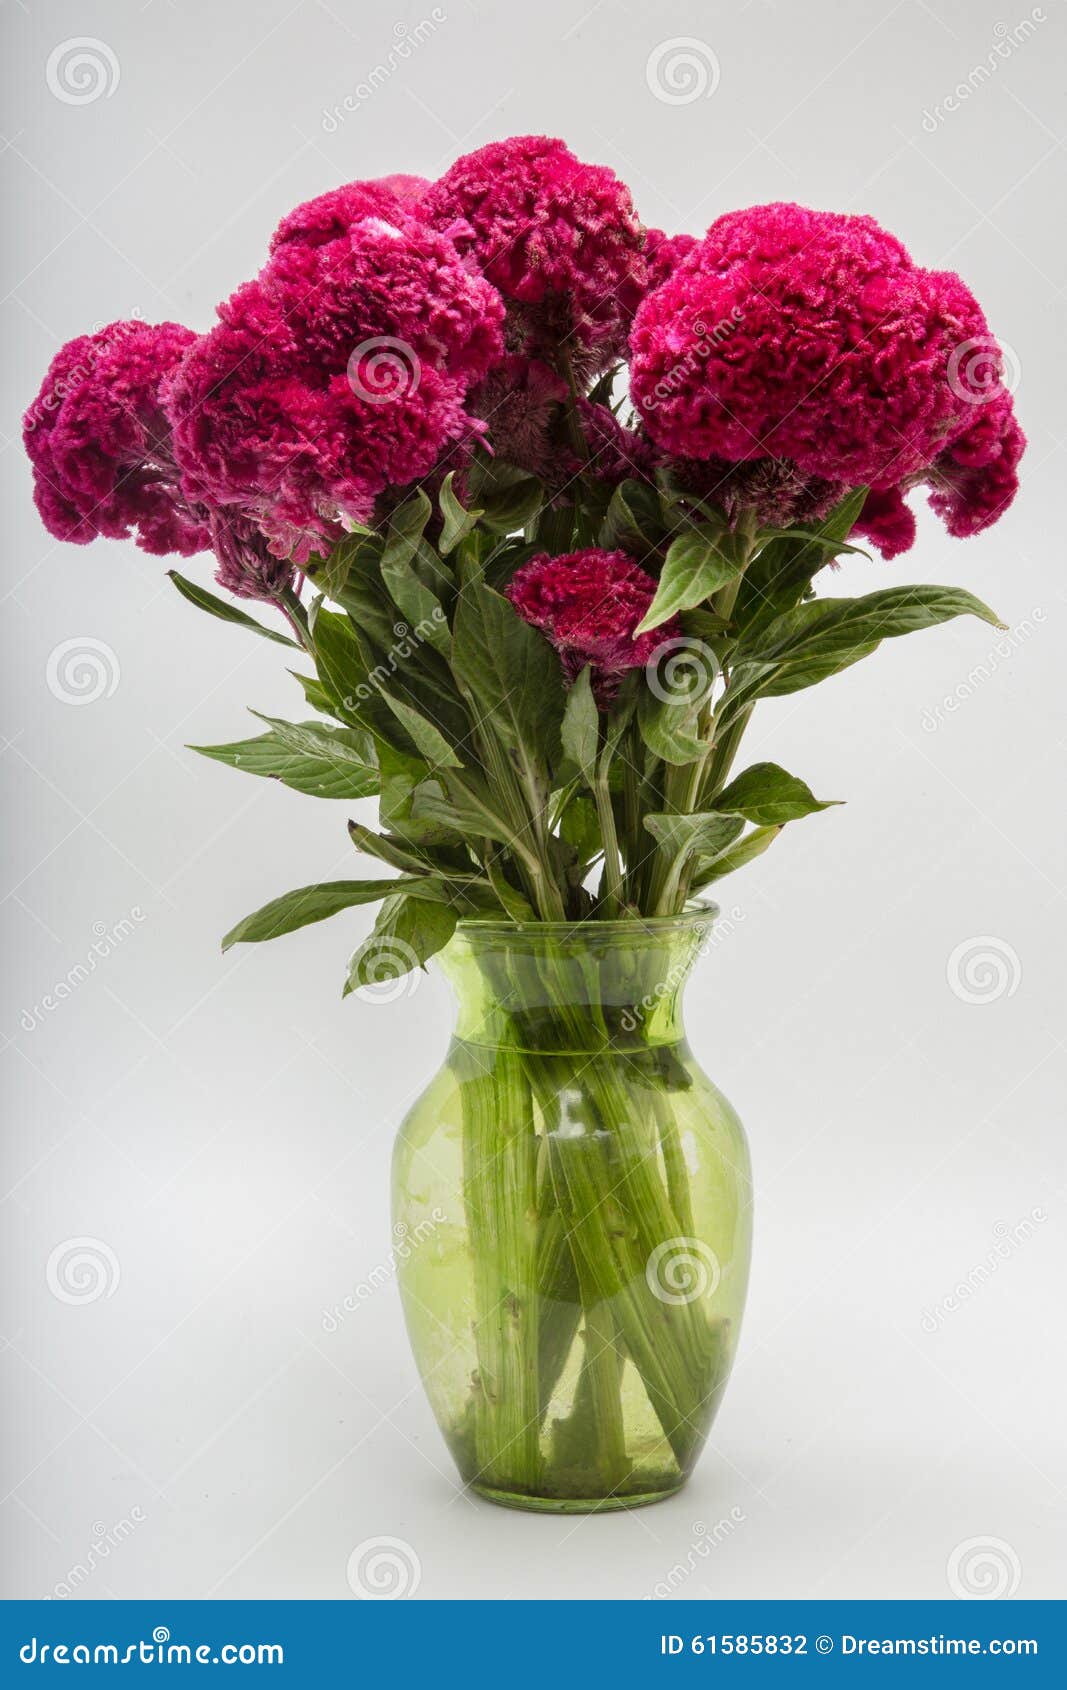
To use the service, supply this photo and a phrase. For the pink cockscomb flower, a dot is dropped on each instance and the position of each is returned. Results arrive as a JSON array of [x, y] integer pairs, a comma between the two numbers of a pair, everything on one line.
[[560, 239], [588, 604], [810, 336], [100, 443], [339, 372], [331, 215], [664, 253]]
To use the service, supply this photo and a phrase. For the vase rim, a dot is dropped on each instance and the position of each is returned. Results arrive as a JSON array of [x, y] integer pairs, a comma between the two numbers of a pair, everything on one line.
[[697, 914]]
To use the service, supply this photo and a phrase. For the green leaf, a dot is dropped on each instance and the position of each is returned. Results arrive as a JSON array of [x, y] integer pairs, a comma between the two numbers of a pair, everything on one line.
[[310, 757], [634, 520], [427, 739], [308, 904], [466, 808], [225, 612], [580, 826], [512, 676], [387, 850], [819, 638], [406, 934], [745, 851], [768, 795], [781, 573], [515, 906], [458, 521], [580, 730], [706, 833], [698, 563], [406, 527], [330, 574], [668, 727]]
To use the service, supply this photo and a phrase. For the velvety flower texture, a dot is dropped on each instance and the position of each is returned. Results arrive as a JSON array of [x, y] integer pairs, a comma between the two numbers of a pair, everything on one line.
[[664, 253], [330, 216], [588, 604], [340, 372], [560, 240], [100, 443], [812, 336]]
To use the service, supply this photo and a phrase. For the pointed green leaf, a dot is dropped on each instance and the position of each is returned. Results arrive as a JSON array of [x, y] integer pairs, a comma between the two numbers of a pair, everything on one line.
[[427, 739], [706, 833], [406, 934], [308, 904], [225, 612], [768, 795], [697, 564], [458, 521], [580, 730], [310, 757], [745, 851], [512, 676]]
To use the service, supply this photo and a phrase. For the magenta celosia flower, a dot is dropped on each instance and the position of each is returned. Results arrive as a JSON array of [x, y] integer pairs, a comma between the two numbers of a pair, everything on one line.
[[558, 238], [100, 444], [339, 372], [588, 604], [664, 253], [809, 336], [887, 522], [975, 479], [331, 215]]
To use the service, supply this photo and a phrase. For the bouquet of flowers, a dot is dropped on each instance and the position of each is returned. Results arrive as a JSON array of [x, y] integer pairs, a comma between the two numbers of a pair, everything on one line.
[[541, 497]]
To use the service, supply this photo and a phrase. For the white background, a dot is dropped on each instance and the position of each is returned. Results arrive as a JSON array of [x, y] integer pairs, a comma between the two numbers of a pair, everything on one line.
[[222, 1127]]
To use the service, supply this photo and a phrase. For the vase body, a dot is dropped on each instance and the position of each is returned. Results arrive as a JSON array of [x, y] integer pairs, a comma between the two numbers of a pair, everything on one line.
[[575, 1200]]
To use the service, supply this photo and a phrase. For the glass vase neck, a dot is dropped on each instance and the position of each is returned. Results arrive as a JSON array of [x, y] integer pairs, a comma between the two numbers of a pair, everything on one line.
[[584, 987]]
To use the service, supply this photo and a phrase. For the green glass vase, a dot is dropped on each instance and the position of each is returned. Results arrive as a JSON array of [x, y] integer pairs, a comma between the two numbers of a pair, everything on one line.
[[575, 1197]]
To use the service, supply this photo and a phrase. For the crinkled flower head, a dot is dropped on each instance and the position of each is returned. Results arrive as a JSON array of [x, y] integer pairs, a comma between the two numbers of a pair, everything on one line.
[[810, 336], [330, 216], [559, 238], [664, 253], [100, 443], [588, 604], [340, 372]]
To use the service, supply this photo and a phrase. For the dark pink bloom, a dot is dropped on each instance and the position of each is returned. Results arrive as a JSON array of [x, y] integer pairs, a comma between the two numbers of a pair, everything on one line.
[[100, 443], [976, 478], [588, 604], [520, 402], [887, 522], [664, 253], [331, 215], [560, 239], [340, 372], [809, 336]]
